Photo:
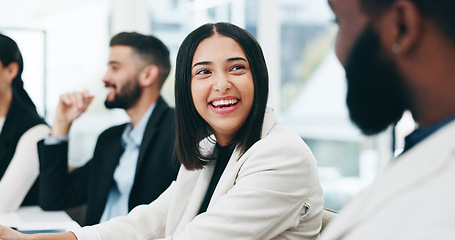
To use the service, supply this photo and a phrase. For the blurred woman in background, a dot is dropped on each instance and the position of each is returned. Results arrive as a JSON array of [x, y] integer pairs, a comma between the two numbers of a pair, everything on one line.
[[20, 129]]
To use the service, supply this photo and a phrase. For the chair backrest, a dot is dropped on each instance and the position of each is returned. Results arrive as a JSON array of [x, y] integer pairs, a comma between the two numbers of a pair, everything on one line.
[[327, 216]]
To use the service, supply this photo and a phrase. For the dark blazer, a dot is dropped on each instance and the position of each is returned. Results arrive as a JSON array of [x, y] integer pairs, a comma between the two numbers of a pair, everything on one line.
[[19, 119], [90, 184]]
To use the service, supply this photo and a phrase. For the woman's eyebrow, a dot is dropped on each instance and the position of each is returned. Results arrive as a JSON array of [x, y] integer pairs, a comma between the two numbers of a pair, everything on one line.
[[236, 59], [227, 60], [202, 63]]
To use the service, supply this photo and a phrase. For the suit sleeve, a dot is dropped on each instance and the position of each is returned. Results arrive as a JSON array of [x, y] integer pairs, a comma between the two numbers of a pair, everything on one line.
[[60, 189]]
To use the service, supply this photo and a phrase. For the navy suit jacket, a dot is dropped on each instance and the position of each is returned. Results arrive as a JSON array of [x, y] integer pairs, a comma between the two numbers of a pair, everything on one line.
[[90, 184]]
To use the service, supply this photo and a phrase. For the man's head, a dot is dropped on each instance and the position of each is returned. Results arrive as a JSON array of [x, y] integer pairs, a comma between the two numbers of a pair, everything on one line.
[[380, 43], [136, 62]]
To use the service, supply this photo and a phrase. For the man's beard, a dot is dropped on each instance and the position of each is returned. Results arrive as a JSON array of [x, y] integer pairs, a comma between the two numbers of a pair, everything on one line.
[[127, 97], [376, 95]]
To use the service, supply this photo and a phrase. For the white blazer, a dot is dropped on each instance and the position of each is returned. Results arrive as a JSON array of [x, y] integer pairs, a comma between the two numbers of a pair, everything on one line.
[[271, 192], [413, 199]]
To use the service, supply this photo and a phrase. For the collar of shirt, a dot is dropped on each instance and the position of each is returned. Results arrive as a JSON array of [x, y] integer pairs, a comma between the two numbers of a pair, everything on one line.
[[117, 201], [134, 135], [420, 134]]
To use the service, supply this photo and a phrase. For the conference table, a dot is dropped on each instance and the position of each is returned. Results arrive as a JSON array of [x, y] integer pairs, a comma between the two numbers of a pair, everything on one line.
[[32, 219]]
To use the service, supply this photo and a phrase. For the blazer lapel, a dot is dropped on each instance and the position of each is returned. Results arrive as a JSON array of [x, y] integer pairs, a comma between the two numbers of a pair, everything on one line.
[[150, 131], [226, 181], [228, 177], [197, 196], [111, 155], [415, 166]]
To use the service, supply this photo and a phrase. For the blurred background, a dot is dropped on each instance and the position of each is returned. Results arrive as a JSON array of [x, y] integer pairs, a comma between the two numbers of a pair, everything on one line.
[[65, 45]]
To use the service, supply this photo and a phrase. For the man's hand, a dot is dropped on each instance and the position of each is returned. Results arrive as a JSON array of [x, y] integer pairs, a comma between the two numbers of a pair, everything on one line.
[[70, 107]]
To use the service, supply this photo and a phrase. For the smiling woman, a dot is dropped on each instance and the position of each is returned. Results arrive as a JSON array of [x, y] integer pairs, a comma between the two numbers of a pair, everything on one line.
[[228, 74], [243, 174], [222, 87]]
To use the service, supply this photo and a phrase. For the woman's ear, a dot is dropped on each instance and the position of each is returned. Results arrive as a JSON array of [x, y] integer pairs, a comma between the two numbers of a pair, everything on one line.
[[149, 75], [11, 71]]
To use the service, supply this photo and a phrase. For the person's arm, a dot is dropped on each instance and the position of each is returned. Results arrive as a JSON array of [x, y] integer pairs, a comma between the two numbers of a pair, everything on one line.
[[70, 106], [59, 190], [22, 170], [7, 233], [143, 222], [277, 180]]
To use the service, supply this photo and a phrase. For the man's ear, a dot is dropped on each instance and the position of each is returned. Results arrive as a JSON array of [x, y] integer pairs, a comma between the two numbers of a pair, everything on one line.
[[406, 26], [149, 75]]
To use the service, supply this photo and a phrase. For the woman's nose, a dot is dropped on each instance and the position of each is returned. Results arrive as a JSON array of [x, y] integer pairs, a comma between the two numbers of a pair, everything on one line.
[[221, 83]]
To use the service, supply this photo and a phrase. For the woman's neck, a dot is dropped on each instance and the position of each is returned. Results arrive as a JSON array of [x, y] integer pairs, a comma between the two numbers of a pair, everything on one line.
[[223, 139], [5, 101]]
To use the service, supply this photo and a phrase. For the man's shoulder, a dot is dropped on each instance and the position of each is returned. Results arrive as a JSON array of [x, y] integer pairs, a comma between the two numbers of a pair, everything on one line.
[[162, 116], [113, 131], [162, 108]]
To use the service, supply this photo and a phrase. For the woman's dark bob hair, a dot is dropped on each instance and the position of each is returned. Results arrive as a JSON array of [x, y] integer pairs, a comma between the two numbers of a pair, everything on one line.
[[191, 128]]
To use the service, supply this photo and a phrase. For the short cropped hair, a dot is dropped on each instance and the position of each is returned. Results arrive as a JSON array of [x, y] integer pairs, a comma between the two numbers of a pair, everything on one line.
[[441, 12], [151, 49], [191, 128]]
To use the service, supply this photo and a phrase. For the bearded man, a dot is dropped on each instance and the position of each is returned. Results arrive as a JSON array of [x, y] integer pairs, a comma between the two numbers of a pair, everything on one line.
[[132, 163], [399, 55]]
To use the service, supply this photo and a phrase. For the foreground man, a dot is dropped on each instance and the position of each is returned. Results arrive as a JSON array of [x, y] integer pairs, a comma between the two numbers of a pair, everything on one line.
[[399, 55]]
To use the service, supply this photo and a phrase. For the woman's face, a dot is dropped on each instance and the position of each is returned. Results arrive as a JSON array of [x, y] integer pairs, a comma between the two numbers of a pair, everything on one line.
[[222, 85], [7, 74]]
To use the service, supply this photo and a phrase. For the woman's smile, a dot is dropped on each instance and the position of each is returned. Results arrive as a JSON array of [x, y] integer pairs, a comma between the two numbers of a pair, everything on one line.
[[224, 105]]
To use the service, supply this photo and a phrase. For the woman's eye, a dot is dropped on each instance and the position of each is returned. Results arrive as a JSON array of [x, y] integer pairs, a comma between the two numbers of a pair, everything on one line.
[[238, 67], [202, 72]]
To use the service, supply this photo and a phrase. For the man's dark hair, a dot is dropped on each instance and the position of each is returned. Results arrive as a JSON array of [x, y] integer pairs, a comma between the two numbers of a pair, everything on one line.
[[438, 11], [190, 127], [151, 49]]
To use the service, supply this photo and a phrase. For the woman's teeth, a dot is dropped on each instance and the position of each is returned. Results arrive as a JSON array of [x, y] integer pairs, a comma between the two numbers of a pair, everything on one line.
[[224, 103]]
